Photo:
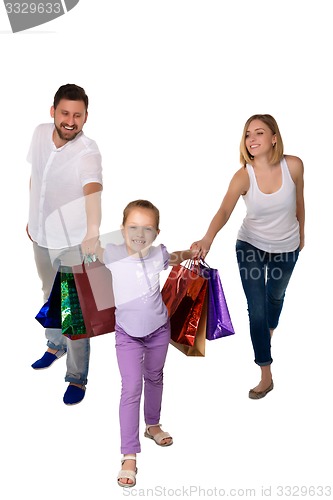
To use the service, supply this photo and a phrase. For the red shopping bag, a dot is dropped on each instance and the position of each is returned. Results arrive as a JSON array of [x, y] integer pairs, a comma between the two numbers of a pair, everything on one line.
[[94, 288], [185, 294]]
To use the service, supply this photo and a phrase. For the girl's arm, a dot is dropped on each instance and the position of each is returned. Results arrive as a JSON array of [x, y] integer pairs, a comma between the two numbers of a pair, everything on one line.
[[238, 186], [179, 256]]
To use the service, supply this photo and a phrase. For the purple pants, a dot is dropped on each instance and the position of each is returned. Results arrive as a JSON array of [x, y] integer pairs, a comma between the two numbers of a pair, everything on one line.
[[140, 359]]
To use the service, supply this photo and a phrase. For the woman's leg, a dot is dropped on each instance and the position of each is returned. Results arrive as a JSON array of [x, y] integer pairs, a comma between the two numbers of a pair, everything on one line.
[[252, 268], [279, 270]]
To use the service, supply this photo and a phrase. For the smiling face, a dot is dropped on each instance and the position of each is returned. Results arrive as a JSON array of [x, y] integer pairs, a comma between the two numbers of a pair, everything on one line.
[[259, 139], [140, 230], [69, 118]]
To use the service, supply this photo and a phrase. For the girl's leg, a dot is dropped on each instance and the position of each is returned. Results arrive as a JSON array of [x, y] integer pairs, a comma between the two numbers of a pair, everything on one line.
[[156, 347], [128, 471], [130, 352]]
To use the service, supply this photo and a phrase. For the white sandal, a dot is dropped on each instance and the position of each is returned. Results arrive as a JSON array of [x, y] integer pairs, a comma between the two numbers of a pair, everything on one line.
[[158, 438], [127, 474]]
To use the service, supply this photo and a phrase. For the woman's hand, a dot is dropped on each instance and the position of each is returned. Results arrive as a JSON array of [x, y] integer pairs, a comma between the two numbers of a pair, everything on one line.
[[200, 248]]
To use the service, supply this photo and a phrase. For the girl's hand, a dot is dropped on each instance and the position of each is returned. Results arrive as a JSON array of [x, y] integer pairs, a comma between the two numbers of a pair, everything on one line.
[[200, 248]]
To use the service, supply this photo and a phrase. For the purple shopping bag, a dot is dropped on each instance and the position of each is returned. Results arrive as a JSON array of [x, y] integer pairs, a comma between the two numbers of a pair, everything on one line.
[[218, 318]]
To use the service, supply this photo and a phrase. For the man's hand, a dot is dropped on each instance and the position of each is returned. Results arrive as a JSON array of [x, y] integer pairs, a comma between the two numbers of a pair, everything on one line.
[[27, 231], [89, 247]]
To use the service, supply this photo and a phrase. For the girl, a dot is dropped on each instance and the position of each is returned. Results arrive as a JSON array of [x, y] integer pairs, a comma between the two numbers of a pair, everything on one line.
[[272, 233], [142, 327]]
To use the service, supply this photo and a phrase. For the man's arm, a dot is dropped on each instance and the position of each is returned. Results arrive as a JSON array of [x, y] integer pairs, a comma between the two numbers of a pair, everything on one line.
[[27, 226], [92, 195]]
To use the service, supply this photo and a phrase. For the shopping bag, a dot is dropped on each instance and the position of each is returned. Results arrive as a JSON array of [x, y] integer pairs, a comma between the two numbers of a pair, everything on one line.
[[49, 315], [184, 294], [198, 347], [218, 317], [94, 288], [72, 322]]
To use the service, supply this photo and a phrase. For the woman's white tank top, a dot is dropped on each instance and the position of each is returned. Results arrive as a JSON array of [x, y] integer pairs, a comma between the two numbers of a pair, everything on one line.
[[270, 223]]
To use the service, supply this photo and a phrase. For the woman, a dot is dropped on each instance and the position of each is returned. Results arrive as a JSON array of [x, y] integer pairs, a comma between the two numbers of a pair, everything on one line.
[[272, 233]]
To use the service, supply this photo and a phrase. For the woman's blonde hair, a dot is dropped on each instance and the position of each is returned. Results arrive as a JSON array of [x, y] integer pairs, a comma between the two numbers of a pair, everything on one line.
[[277, 150]]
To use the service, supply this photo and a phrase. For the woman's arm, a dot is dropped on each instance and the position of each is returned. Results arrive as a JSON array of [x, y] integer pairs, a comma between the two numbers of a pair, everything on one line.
[[238, 186], [296, 169]]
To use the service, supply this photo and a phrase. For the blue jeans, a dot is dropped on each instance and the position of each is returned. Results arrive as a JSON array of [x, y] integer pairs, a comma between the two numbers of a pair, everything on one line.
[[78, 351], [265, 277]]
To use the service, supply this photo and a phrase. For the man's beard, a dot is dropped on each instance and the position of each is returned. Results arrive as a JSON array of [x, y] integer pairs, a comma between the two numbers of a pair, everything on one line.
[[65, 137]]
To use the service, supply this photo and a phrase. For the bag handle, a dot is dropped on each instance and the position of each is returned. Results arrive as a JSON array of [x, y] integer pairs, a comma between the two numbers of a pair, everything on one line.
[[196, 265]]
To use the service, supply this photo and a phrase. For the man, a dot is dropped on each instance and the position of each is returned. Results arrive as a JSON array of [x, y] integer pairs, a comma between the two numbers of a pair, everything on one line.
[[64, 215]]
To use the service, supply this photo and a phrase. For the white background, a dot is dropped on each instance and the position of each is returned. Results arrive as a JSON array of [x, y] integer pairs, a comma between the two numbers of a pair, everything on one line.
[[171, 84]]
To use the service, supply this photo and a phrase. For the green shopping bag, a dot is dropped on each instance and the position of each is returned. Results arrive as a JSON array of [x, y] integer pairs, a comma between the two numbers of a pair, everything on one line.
[[72, 322]]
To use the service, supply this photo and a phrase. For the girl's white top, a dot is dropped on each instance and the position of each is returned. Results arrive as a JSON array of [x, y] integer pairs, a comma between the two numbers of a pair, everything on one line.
[[140, 309]]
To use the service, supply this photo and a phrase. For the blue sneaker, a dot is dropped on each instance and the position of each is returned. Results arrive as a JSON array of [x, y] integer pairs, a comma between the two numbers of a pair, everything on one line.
[[45, 361], [74, 395]]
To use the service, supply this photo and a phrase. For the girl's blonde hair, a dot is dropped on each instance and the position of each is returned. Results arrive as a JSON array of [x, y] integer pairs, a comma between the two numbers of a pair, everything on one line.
[[142, 204], [277, 150]]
